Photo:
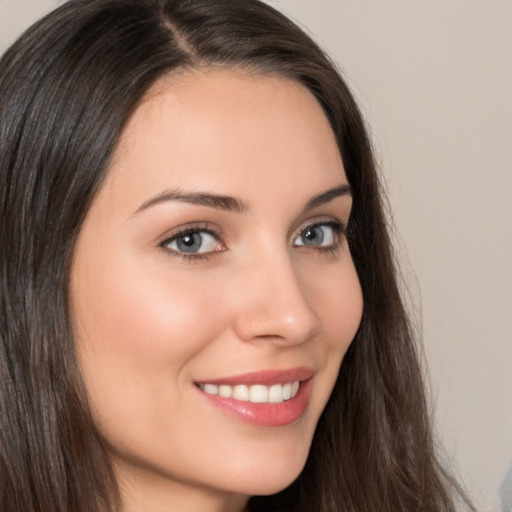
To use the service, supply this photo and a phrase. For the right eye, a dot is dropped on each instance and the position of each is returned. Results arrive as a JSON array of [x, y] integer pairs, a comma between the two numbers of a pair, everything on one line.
[[193, 242]]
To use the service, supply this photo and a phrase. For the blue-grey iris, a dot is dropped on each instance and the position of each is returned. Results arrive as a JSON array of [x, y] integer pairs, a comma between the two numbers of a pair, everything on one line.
[[190, 242], [313, 236]]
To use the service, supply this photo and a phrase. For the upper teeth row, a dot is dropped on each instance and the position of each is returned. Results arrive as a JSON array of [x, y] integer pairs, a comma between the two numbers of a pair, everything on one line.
[[256, 393]]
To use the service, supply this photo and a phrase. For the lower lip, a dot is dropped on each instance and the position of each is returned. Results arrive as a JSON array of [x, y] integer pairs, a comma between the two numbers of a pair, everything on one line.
[[266, 414]]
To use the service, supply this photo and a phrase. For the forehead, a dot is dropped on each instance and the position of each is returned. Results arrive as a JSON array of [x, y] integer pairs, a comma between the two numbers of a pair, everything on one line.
[[227, 129]]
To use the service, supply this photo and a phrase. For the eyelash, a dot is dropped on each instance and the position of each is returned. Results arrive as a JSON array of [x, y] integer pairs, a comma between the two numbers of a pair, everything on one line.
[[190, 230], [339, 232]]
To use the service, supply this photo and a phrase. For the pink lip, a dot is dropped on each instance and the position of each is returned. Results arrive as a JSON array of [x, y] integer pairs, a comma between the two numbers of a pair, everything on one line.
[[265, 377], [265, 414]]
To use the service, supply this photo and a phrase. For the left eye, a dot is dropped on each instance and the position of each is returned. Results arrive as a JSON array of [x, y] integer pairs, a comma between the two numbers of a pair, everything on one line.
[[318, 235], [193, 242]]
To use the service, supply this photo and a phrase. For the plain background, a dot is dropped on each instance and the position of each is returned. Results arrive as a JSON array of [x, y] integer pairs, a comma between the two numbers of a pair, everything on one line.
[[434, 79]]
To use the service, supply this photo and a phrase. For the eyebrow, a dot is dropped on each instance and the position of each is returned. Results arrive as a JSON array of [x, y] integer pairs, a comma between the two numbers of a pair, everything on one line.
[[218, 202], [232, 204], [329, 195]]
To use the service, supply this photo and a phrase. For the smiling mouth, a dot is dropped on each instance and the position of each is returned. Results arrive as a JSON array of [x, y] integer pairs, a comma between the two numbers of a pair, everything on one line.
[[265, 398], [256, 393]]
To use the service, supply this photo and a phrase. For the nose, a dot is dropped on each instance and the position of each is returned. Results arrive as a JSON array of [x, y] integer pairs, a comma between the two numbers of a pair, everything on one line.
[[271, 303]]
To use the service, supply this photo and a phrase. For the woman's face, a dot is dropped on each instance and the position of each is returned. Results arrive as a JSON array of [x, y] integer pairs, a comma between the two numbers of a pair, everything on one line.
[[213, 292]]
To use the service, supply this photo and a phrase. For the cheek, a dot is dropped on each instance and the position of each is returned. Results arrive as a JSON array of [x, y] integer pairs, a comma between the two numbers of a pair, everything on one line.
[[338, 301], [136, 325], [336, 296], [342, 309]]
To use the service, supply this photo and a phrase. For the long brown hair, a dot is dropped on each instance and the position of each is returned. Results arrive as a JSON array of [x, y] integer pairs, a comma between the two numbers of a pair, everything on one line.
[[67, 88]]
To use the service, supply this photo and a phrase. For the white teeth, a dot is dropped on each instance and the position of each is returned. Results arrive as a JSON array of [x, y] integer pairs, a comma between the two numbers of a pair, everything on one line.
[[211, 389], [275, 394], [225, 391], [241, 393], [257, 393]]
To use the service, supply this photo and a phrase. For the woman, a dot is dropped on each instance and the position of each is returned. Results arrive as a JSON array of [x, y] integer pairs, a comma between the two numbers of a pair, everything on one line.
[[191, 224]]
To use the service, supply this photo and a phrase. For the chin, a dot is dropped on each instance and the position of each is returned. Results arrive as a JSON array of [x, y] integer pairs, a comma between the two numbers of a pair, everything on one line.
[[270, 478], [267, 488]]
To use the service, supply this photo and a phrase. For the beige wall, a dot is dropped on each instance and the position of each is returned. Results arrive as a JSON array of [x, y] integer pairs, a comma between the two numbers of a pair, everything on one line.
[[435, 80]]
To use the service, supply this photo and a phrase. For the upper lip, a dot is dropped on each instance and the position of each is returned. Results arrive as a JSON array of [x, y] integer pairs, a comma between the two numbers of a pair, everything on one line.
[[265, 377]]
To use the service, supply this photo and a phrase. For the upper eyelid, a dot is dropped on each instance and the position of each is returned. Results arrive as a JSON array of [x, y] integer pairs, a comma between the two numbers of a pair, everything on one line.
[[328, 220], [190, 228]]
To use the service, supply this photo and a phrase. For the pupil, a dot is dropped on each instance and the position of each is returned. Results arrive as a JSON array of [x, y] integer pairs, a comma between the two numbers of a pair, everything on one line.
[[313, 236], [190, 242]]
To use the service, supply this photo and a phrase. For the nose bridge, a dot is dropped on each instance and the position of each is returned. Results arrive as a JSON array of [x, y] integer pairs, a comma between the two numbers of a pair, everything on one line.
[[272, 302]]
